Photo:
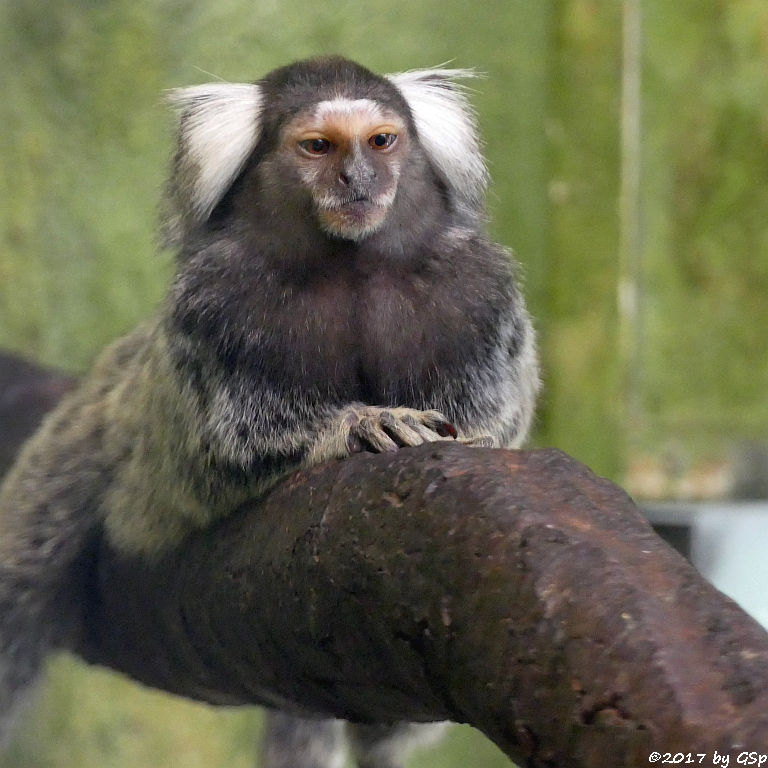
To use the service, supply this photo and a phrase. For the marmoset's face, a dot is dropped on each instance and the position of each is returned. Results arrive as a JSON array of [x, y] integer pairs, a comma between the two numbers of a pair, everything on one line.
[[347, 154]]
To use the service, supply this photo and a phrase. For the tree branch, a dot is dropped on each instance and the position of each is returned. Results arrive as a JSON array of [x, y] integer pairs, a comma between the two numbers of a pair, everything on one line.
[[514, 591]]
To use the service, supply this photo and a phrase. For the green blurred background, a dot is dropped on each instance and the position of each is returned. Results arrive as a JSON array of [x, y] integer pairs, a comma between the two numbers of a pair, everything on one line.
[[661, 199]]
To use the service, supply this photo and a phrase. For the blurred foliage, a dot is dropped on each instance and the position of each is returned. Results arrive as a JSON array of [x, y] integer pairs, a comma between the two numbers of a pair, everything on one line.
[[82, 161], [95, 719], [707, 201], [576, 308]]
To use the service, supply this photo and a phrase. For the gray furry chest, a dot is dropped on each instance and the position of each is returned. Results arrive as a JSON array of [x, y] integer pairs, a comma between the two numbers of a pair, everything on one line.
[[382, 340]]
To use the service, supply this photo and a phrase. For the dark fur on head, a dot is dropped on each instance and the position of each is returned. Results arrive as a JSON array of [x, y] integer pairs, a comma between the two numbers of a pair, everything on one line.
[[295, 87], [227, 128]]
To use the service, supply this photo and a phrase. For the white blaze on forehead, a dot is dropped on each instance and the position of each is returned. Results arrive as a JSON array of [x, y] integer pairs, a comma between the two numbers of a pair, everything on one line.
[[350, 119], [348, 108]]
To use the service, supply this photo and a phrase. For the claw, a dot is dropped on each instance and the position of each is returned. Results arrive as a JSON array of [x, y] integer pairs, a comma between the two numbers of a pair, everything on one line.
[[383, 430], [373, 435]]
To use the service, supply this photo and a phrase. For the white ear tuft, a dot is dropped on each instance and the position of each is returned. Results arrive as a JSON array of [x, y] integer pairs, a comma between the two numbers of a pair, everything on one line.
[[219, 128], [447, 128]]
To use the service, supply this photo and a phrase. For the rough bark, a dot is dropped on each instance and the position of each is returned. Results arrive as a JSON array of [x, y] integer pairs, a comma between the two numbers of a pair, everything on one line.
[[515, 591]]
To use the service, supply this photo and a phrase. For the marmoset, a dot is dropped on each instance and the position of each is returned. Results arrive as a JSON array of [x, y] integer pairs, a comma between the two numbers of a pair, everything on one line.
[[335, 292]]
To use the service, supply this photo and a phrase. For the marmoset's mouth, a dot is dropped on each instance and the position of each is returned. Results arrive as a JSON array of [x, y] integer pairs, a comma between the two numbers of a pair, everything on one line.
[[360, 206], [350, 199], [352, 219]]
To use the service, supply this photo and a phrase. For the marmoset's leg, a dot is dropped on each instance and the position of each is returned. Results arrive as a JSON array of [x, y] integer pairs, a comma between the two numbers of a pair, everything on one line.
[[297, 742]]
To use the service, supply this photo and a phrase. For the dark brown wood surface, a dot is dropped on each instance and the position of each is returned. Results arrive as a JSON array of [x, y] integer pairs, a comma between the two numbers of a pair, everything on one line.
[[515, 591]]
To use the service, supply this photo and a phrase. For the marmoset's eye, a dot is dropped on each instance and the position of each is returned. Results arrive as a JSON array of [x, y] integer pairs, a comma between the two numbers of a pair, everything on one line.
[[382, 140], [315, 146]]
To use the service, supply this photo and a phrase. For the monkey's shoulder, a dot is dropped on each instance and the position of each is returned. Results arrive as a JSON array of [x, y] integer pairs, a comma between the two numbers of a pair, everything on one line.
[[111, 395]]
